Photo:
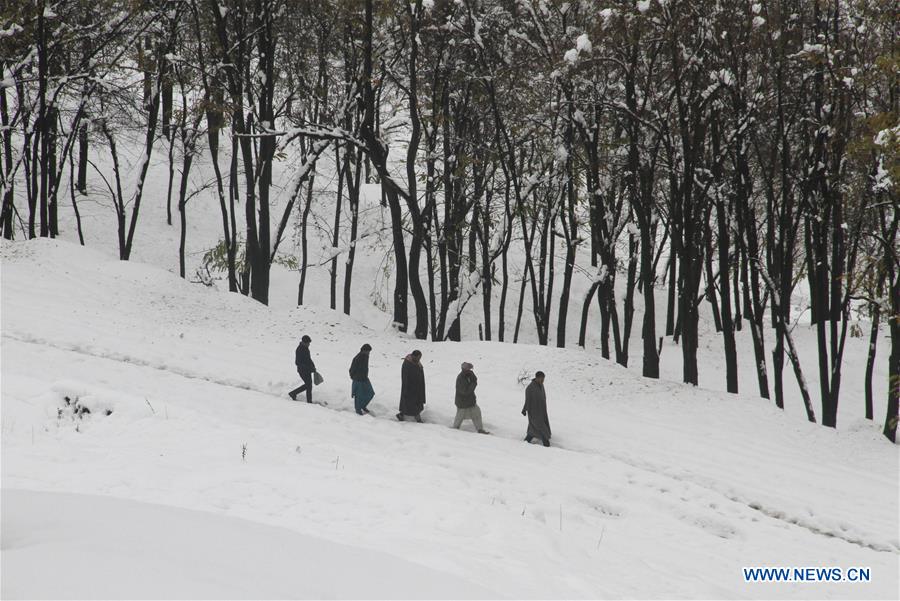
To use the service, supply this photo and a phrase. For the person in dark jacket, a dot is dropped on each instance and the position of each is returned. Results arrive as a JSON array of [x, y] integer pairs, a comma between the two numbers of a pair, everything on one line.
[[412, 387], [536, 410], [305, 367], [361, 390], [466, 406]]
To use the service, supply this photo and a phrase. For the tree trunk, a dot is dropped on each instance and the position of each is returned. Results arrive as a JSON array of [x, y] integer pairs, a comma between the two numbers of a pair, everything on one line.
[[74, 199], [724, 247], [792, 350], [487, 269], [672, 291], [213, 119], [52, 175], [336, 228], [870, 361], [6, 215], [143, 165], [629, 297], [711, 296], [83, 152], [521, 307], [261, 259], [731, 366], [377, 153], [42, 124], [412, 200], [304, 240], [353, 189], [892, 265], [171, 140], [182, 210], [736, 288], [648, 330], [750, 274], [432, 306], [585, 312], [890, 420], [570, 227], [165, 68], [504, 263]]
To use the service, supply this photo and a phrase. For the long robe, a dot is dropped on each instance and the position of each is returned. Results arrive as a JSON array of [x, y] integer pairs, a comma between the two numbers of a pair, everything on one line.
[[536, 409], [412, 387]]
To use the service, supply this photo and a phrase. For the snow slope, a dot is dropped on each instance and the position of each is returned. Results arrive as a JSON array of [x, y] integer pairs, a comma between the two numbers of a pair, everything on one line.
[[652, 488], [156, 244], [168, 553]]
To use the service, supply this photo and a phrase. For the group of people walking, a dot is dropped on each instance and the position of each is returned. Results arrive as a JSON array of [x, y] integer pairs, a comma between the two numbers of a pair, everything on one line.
[[412, 391]]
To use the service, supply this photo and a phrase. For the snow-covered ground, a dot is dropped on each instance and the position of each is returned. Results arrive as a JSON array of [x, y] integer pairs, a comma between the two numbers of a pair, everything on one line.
[[652, 488], [125, 547]]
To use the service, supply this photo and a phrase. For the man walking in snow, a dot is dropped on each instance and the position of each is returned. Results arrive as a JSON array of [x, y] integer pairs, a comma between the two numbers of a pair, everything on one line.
[[361, 390], [536, 410], [305, 367], [466, 407], [412, 387]]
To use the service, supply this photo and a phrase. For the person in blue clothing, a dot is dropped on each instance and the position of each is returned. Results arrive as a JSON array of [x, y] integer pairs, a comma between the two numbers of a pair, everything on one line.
[[305, 367], [361, 390]]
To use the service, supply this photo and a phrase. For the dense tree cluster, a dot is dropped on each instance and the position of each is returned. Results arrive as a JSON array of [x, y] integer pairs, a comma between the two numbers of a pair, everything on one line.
[[723, 152]]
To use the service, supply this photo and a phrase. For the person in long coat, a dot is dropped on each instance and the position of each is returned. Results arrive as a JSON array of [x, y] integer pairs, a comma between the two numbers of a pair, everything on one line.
[[412, 387], [536, 410], [305, 368], [361, 390], [466, 405]]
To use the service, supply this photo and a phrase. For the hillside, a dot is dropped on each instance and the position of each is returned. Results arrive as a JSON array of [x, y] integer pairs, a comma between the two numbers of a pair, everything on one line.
[[652, 488], [157, 244]]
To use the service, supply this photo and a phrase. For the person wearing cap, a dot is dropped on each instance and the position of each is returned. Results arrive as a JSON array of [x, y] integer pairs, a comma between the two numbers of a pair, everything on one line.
[[305, 367], [412, 387], [361, 390], [466, 406], [536, 410]]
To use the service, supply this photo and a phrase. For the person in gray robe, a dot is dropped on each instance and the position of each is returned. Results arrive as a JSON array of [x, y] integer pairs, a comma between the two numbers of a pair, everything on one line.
[[412, 387], [536, 410]]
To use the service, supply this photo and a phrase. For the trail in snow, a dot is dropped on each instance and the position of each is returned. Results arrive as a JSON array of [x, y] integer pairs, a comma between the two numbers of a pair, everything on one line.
[[730, 496]]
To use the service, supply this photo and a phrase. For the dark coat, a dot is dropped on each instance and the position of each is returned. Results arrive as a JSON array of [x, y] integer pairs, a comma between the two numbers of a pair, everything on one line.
[[359, 367], [303, 360], [536, 409], [412, 387], [466, 382]]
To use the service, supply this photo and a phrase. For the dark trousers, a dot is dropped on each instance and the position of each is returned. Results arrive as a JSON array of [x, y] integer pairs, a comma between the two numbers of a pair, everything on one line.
[[529, 438], [307, 386]]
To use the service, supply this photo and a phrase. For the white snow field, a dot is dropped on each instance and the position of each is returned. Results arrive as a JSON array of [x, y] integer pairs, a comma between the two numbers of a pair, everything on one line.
[[165, 552], [193, 475]]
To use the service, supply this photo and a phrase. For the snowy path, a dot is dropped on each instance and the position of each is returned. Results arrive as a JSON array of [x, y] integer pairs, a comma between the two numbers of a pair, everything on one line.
[[645, 478], [668, 479]]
